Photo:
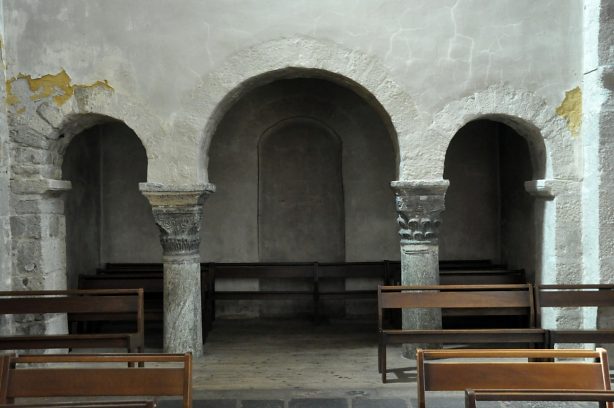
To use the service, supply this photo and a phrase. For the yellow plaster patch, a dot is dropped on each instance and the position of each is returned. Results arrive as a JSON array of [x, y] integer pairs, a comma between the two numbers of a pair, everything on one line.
[[11, 98], [571, 110], [58, 87]]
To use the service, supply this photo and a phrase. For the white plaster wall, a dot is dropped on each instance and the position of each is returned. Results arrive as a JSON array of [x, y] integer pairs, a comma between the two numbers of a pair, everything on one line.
[[158, 51]]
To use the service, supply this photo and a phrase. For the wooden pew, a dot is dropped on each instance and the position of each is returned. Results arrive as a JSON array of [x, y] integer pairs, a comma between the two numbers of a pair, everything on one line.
[[153, 285], [124, 305], [306, 280], [601, 295], [459, 300], [492, 371], [95, 375], [472, 396]]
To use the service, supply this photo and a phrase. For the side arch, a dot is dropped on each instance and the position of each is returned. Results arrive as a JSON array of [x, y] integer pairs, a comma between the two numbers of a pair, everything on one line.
[[292, 58], [48, 128], [550, 141]]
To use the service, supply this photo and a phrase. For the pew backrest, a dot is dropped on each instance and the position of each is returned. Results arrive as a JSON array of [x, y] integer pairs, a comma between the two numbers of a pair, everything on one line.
[[95, 375], [460, 300], [501, 369], [568, 296], [79, 305]]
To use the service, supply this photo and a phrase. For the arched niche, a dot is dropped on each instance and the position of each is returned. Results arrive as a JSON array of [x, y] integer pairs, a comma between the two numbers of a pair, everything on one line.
[[489, 214], [300, 193], [230, 227], [107, 218]]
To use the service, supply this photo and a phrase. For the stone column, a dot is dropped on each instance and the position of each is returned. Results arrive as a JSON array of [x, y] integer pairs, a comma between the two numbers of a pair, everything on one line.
[[177, 212], [419, 206]]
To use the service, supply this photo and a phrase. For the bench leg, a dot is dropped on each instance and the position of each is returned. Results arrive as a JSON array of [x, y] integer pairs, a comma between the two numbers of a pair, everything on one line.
[[383, 360]]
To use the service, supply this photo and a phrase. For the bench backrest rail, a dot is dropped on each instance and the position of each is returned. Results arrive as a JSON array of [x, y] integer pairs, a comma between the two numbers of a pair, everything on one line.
[[472, 396]]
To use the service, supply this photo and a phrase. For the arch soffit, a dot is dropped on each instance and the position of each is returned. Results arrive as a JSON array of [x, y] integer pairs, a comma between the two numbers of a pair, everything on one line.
[[291, 58], [528, 114]]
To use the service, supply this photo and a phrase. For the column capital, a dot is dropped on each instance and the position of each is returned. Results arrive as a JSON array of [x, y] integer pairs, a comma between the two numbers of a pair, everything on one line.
[[177, 212], [419, 206]]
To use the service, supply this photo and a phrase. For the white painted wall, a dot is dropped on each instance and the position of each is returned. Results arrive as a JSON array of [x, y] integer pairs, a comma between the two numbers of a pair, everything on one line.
[[438, 51]]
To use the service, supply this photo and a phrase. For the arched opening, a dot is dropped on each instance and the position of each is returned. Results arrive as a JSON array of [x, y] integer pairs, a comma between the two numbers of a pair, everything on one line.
[[107, 218], [302, 167], [489, 215]]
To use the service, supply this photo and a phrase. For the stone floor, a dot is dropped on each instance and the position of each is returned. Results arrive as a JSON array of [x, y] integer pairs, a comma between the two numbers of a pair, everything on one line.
[[289, 364], [296, 364]]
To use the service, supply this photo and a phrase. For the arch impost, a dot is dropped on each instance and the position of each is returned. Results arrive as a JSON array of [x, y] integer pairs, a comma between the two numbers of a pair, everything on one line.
[[160, 195], [548, 189], [41, 186]]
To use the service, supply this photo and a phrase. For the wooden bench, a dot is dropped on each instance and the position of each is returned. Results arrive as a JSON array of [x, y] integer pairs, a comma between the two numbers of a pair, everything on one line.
[[153, 285], [124, 305], [311, 281], [95, 375], [494, 370], [601, 295], [472, 396], [459, 300]]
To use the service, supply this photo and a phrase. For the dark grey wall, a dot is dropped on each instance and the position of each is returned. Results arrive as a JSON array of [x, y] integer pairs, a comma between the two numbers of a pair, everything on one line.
[[82, 204], [107, 218], [488, 213], [128, 229], [230, 227], [306, 204], [470, 227], [517, 206]]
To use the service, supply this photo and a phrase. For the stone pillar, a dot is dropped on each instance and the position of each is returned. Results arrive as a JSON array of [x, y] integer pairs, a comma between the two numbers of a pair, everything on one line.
[[177, 212], [38, 232], [419, 206]]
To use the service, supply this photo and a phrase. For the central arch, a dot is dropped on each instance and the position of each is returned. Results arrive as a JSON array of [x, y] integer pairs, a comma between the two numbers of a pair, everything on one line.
[[298, 57]]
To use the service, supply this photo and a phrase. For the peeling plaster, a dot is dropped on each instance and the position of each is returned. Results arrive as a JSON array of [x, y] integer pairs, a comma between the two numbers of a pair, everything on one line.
[[58, 87], [571, 110]]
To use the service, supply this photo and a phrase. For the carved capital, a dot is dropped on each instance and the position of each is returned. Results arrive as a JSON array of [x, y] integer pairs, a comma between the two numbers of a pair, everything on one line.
[[178, 213], [419, 206]]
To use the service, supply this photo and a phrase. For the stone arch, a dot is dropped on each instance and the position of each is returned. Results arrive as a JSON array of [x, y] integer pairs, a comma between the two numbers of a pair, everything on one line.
[[549, 138], [40, 131], [48, 127], [291, 58], [557, 181]]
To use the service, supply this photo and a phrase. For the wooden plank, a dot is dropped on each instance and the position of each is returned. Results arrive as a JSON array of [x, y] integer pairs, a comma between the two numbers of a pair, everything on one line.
[[468, 299]]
